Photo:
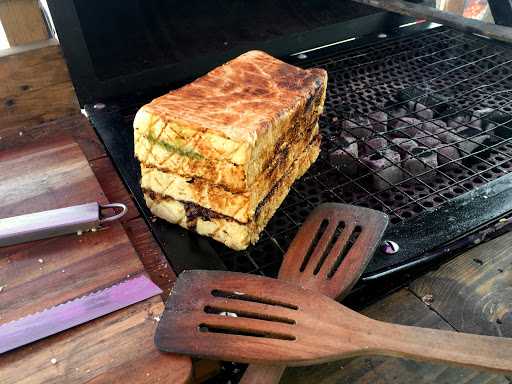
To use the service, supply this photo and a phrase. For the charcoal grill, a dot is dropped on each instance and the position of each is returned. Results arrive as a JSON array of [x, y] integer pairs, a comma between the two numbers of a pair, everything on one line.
[[441, 210]]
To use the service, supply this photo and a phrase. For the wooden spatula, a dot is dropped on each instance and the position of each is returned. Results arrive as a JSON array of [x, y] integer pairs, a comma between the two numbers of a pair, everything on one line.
[[254, 319], [328, 255]]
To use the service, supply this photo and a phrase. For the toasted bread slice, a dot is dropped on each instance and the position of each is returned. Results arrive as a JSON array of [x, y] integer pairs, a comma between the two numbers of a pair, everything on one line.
[[225, 126], [240, 206], [224, 229]]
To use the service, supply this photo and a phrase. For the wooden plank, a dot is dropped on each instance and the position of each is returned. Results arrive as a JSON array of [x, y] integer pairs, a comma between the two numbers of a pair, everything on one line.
[[39, 106], [446, 18], [151, 255], [474, 291], [23, 21], [454, 6], [36, 86], [117, 348], [402, 308], [75, 126], [32, 68]]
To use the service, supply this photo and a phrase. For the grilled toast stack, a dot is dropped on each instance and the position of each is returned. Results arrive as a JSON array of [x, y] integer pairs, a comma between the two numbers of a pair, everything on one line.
[[219, 155]]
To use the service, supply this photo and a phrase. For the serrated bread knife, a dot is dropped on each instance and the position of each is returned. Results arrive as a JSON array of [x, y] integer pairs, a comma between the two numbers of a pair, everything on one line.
[[50, 321]]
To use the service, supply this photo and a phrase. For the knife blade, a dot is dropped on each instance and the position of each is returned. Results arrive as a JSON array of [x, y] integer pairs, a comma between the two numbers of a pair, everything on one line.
[[50, 321]]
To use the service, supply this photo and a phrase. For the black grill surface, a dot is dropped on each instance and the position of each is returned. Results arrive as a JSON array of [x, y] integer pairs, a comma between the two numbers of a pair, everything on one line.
[[461, 72], [458, 73]]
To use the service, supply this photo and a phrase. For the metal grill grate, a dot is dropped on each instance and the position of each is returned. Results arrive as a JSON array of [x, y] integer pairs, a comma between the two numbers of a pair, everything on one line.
[[458, 73]]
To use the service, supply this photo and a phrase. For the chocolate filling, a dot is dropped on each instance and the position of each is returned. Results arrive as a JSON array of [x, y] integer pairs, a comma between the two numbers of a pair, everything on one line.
[[194, 212]]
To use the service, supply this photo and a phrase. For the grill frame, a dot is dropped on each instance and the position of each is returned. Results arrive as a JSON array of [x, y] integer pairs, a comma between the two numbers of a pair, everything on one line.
[[187, 251]]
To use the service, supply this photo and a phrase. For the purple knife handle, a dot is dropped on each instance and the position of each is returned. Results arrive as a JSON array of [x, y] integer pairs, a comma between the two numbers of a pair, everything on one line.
[[55, 222]]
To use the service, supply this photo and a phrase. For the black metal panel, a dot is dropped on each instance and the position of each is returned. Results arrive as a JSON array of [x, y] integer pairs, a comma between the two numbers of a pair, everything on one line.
[[156, 59], [420, 237], [501, 11]]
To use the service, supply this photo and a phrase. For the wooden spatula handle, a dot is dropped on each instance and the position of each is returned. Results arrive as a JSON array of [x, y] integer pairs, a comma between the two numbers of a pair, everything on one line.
[[468, 350], [263, 374]]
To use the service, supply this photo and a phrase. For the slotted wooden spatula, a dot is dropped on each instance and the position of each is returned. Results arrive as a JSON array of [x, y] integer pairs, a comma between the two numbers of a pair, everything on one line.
[[328, 255], [254, 319]]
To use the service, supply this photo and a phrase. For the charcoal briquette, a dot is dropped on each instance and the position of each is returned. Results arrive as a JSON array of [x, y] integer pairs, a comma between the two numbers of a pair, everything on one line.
[[473, 139], [448, 137], [428, 141], [448, 153], [404, 146], [421, 111], [358, 126], [345, 157], [424, 160], [434, 126], [384, 167], [375, 144], [378, 121], [407, 126]]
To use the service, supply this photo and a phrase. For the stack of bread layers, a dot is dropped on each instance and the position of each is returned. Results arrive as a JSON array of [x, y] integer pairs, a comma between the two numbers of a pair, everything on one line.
[[220, 154]]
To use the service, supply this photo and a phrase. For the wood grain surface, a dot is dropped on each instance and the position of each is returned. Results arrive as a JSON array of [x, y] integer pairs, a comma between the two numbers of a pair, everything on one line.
[[117, 348], [474, 291], [423, 12], [36, 87], [75, 126], [303, 327], [22, 21], [41, 274]]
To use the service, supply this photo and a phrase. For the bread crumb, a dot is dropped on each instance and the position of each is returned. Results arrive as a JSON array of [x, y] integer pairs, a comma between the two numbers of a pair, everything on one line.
[[53, 361], [156, 318], [79, 233], [428, 299], [20, 133], [2, 288], [40, 261]]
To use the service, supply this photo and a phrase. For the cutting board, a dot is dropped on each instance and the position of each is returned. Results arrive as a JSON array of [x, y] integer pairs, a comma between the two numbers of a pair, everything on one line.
[[45, 273]]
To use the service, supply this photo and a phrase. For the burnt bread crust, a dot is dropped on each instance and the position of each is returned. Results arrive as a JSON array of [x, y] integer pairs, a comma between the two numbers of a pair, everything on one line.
[[225, 229], [225, 125], [240, 206]]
